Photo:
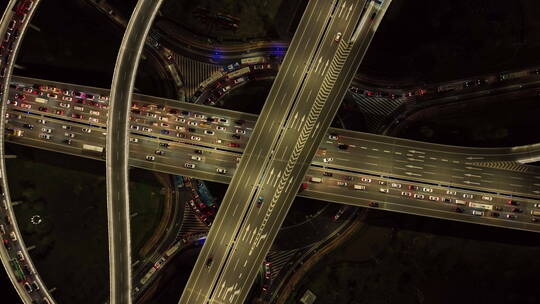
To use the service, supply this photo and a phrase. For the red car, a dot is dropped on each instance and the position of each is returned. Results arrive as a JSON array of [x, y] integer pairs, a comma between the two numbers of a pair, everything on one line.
[[43, 109], [79, 116], [234, 145], [59, 112]]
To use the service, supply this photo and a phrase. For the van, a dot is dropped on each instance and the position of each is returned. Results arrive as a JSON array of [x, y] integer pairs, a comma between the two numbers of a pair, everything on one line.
[[316, 180], [460, 202], [359, 187]]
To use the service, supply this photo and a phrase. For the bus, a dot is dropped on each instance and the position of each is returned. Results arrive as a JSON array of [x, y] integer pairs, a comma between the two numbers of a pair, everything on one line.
[[172, 250], [238, 73], [17, 270], [148, 275], [214, 77], [40, 100], [481, 206], [253, 60], [535, 213]]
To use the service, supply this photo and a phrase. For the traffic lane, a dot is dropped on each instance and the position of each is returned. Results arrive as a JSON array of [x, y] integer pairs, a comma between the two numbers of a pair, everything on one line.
[[290, 137], [489, 179], [270, 103], [338, 182], [499, 204]]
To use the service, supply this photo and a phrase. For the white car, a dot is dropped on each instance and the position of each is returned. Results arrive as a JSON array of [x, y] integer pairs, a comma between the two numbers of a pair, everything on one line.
[[419, 196], [338, 37], [66, 98], [180, 128], [188, 165], [153, 115], [69, 134], [192, 123], [163, 118], [220, 128], [434, 198], [134, 140], [427, 190], [487, 198], [477, 213], [150, 157], [146, 129], [181, 120], [93, 119], [195, 157], [64, 105], [328, 159], [78, 108], [383, 190], [451, 192], [240, 131], [221, 171], [42, 121], [366, 180], [134, 127], [394, 185], [197, 138], [66, 127], [86, 130], [208, 132], [200, 116], [466, 195], [45, 136], [408, 194], [333, 137]]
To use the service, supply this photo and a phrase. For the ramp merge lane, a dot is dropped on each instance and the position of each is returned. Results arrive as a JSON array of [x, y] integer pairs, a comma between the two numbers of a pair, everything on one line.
[[297, 113], [118, 149]]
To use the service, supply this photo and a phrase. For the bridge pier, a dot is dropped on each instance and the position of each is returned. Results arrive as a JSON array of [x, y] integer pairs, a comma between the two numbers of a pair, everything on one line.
[[134, 214], [30, 248], [15, 203], [20, 67], [10, 156], [34, 27]]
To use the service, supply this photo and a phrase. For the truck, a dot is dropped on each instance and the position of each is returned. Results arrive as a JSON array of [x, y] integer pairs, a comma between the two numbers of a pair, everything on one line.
[[148, 275], [461, 202], [316, 180], [93, 149], [253, 60], [481, 206], [214, 77]]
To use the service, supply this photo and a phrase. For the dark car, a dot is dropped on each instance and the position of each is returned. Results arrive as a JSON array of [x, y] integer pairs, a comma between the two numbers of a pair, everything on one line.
[[239, 122], [327, 174], [512, 202], [459, 210], [28, 126], [185, 112], [373, 204], [209, 262], [236, 136], [260, 200], [192, 130], [343, 147], [495, 214], [165, 145], [517, 210], [198, 151]]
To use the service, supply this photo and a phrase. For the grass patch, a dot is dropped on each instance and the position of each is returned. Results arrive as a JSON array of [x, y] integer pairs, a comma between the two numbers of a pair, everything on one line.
[[71, 243]]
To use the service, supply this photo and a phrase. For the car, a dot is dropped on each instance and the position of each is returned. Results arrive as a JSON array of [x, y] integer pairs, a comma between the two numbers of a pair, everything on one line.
[[343, 146], [233, 145], [152, 115], [165, 132], [66, 98], [180, 120], [86, 130], [52, 95], [419, 196], [240, 131], [477, 213], [192, 123], [327, 174], [159, 263], [163, 118], [67, 141], [134, 140], [221, 171], [373, 204], [166, 125], [13, 236], [196, 157], [180, 128], [467, 195], [6, 244], [159, 152], [434, 198], [404, 193], [328, 159], [15, 103], [69, 134], [487, 198], [28, 287], [338, 214], [20, 256], [198, 152], [536, 205], [164, 145], [192, 130], [394, 185], [190, 166], [150, 157], [93, 112], [197, 138], [25, 105], [208, 132], [459, 210], [235, 136], [447, 200], [412, 187], [28, 126], [46, 130], [181, 135], [495, 214], [383, 190], [76, 115], [134, 127], [429, 190], [517, 210], [342, 184], [42, 121], [451, 192], [511, 216], [349, 178], [220, 128], [66, 127], [146, 129], [381, 182], [366, 180], [34, 285], [93, 119], [209, 262], [333, 136], [512, 202]]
